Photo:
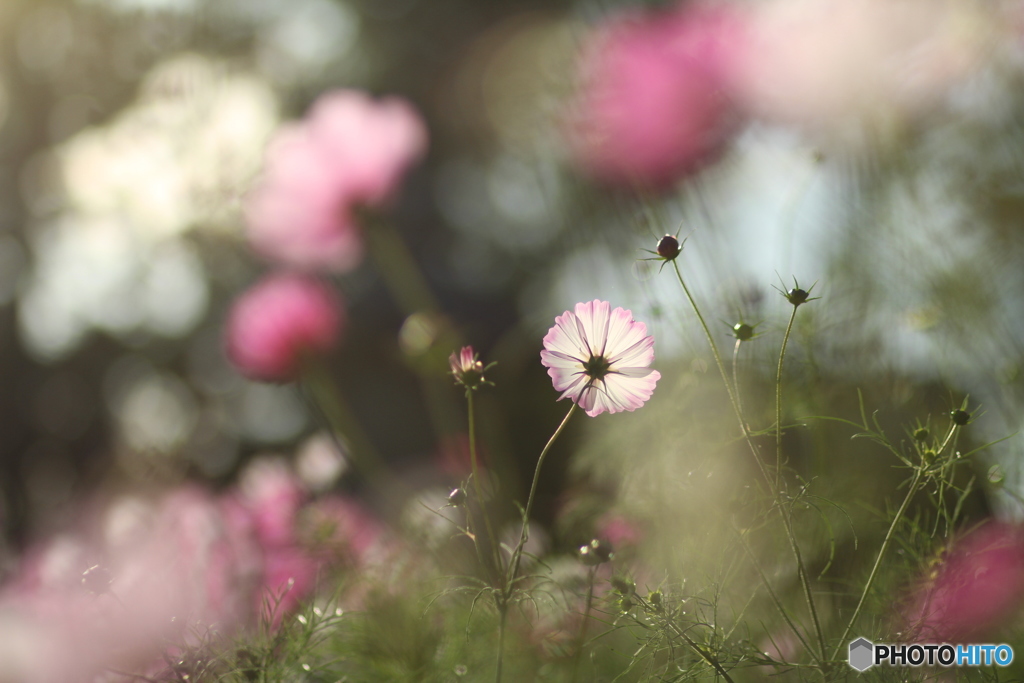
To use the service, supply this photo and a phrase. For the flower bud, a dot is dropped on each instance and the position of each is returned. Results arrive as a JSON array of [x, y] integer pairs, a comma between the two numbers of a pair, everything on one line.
[[655, 598], [624, 586], [596, 552], [625, 604], [960, 417], [457, 497], [921, 434], [743, 331], [797, 296], [669, 248]]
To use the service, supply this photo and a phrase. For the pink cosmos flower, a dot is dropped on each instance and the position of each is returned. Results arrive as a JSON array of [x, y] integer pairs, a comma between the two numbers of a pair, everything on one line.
[[832, 65], [350, 151], [652, 106], [978, 587], [600, 358], [279, 321]]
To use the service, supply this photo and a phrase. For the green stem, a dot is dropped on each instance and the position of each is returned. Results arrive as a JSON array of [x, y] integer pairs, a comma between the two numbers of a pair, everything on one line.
[[775, 597], [878, 561], [502, 598], [736, 377], [478, 490], [525, 535], [332, 408], [794, 547], [915, 484], [778, 399], [397, 266], [503, 611], [586, 621]]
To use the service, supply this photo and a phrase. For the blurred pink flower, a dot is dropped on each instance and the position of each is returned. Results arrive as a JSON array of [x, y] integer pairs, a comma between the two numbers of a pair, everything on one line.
[[278, 322], [350, 151], [163, 568], [600, 358], [830, 64], [652, 106], [619, 530], [976, 588]]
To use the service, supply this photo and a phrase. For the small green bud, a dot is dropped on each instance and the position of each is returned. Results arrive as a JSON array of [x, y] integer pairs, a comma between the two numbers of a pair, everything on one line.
[[625, 604], [624, 586], [596, 552], [797, 296], [928, 455], [668, 248], [457, 497], [960, 417], [921, 434], [743, 331]]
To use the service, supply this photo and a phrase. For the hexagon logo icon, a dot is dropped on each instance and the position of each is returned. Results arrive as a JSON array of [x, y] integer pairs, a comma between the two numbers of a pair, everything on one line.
[[862, 654]]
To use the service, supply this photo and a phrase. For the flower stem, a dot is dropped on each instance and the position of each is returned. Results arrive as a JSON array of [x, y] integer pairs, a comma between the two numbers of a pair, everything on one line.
[[586, 621], [478, 490], [502, 598], [525, 535], [778, 399], [915, 485], [787, 523]]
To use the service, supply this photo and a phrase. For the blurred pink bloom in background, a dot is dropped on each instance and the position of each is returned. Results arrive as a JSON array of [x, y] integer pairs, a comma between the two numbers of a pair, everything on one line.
[[280, 320], [350, 151], [600, 358], [828, 64], [652, 106], [977, 588], [619, 530], [165, 571]]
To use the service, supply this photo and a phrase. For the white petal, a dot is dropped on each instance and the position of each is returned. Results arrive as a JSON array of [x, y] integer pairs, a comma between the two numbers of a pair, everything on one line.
[[595, 316], [640, 354]]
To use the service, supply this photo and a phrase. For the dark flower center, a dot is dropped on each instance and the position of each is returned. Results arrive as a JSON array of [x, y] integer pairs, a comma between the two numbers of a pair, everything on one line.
[[597, 367]]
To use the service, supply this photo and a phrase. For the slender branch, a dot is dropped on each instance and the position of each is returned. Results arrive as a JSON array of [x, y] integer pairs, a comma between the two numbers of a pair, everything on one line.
[[787, 523]]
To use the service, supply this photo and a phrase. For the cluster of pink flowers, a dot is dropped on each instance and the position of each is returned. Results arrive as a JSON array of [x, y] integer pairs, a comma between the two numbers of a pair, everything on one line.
[[662, 92], [149, 574], [347, 155]]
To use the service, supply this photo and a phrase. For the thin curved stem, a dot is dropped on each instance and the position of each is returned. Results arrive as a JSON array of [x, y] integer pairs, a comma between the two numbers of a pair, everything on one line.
[[915, 484], [502, 598], [525, 535], [878, 561], [778, 400], [787, 523], [736, 377]]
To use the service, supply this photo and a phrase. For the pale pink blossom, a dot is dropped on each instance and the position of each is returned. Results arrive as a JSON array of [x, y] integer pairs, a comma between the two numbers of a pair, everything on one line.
[[834, 66], [652, 106], [350, 151], [280, 322], [600, 358], [977, 587], [154, 572]]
